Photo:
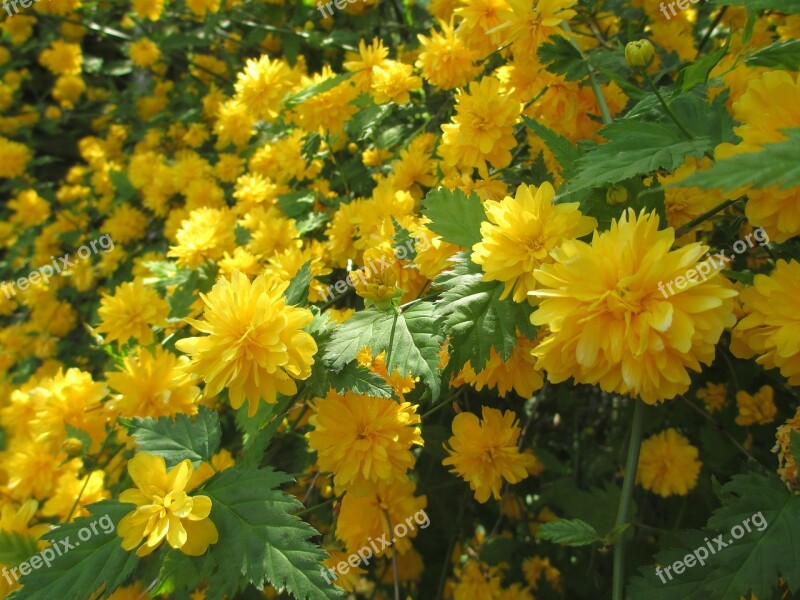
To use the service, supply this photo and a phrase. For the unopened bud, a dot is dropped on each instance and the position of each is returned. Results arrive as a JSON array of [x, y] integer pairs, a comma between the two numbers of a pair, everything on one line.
[[617, 194], [72, 446], [639, 54]]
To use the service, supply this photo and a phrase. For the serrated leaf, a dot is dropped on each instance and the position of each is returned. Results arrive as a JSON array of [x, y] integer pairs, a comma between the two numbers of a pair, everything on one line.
[[297, 292], [180, 438], [634, 148], [403, 239], [781, 55], [15, 547], [697, 73], [572, 532], [455, 216], [178, 571], [473, 316], [314, 90], [296, 204], [751, 564], [360, 380], [410, 339], [259, 538], [267, 420], [774, 164], [96, 564], [562, 58], [566, 154]]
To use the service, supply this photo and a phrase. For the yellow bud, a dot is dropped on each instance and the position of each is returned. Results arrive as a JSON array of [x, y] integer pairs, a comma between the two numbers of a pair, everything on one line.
[[352, 147], [617, 194], [72, 446], [639, 54]]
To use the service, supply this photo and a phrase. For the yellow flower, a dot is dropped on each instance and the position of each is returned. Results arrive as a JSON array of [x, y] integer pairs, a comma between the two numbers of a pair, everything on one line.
[[14, 158], [392, 82], [518, 373], [62, 58], [148, 9], [362, 63], [531, 23], [482, 129], [234, 124], [771, 328], [534, 567], [713, 396], [262, 85], [485, 452], [347, 581], [206, 235], [164, 510], [611, 319], [378, 513], [364, 440], [520, 234], [256, 346], [130, 313], [668, 464], [477, 581], [145, 53], [71, 487], [445, 60], [758, 409], [152, 385]]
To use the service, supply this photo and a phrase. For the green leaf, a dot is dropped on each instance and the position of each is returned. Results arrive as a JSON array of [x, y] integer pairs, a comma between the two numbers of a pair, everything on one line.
[[360, 381], [781, 55], [596, 506], [794, 447], [572, 532], [774, 164], [314, 90], [178, 439], [562, 58], [178, 571], [454, 216], [495, 550], [259, 429], [403, 239], [97, 563], [366, 122], [474, 318], [764, 514], [566, 154], [697, 73], [410, 339], [122, 185], [634, 148], [260, 539], [166, 273], [79, 434], [781, 6], [297, 292], [183, 297], [296, 204], [16, 548]]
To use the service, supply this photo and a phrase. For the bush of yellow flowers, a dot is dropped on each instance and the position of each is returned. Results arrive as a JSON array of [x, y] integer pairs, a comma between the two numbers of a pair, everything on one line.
[[432, 299]]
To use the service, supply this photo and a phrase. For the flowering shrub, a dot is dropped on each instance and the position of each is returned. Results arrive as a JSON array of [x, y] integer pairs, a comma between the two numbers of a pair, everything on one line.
[[497, 190]]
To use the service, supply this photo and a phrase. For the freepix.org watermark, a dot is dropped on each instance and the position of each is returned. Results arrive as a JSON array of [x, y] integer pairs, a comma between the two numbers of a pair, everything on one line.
[[713, 264], [9, 4], [59, 548], [61, 265], [401, 530], [701, 553]]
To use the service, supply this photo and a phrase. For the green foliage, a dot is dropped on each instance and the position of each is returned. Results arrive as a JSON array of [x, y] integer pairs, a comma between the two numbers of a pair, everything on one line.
[[566, 154], [16, 548], [361, 381], [634, 148], [97, 564], [780, 55], [474, 318], [258, 430], [751, 564], [774, 164], [259, 538], [455, 216], [297, 292], [563, 58], [697, 73], [410, 339], [177, 439], [572, 532], [315, 89], [782, 6]]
